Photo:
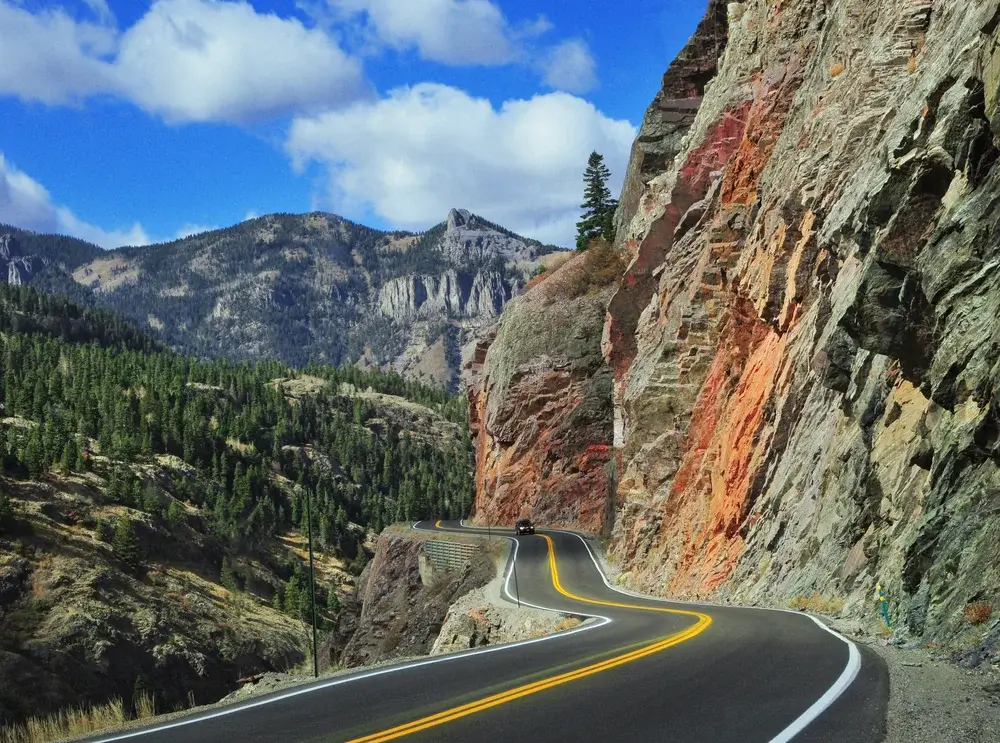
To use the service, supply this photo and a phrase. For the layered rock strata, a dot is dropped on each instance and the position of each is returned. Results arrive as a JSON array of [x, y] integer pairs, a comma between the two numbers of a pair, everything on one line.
[[805, 345], [540, 406]]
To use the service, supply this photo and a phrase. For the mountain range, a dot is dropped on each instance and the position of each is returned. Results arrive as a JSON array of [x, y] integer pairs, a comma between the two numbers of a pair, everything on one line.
[[299, 288]]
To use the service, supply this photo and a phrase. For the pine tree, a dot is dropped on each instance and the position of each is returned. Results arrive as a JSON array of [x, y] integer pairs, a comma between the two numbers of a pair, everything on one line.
[[176, 514], [125, 544], [227, 577], [69, 456], [6, 512], [34, 454], [599, 208]]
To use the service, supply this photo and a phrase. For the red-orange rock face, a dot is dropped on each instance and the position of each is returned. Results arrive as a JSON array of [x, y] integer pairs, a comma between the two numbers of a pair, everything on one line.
[[804, 345], [804, 397], [540, 402]]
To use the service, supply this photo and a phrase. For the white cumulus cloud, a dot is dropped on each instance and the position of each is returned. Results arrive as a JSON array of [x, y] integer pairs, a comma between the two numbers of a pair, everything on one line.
[[26, 203], [51, 57], [204, 60], [570, 66], [448, 31], [425, 149], [185, 60], [474, 32]]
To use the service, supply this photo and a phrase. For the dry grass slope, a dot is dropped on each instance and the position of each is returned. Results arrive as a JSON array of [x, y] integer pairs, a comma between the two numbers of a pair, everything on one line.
[[603, 265], [78, 721]]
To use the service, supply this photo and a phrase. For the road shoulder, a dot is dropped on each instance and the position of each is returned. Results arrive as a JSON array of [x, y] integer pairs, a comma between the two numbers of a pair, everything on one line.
[[932, 700]]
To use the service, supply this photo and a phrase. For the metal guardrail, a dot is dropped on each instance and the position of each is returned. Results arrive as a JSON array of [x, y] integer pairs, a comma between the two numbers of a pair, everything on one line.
[[447, 555]]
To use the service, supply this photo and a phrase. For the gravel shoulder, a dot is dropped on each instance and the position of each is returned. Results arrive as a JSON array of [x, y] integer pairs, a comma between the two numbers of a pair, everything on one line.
[[931, 699]]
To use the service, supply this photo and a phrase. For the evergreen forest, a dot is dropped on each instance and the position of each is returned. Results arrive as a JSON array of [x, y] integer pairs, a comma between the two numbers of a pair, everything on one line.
[[81, 390]]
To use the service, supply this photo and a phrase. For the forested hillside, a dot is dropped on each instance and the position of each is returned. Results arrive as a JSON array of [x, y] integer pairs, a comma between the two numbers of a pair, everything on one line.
[[24, 310], [137, 482], [229, 421]]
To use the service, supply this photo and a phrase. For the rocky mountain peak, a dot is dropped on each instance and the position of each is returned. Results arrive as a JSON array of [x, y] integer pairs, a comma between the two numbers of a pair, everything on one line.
[[469, 237], [458, 218], [394, 299]]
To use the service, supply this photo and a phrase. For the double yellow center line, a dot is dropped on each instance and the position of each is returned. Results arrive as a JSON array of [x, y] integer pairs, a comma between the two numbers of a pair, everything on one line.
[[702, 623]]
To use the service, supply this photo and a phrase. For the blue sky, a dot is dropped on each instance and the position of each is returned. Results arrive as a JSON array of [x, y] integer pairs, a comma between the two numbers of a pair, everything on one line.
[[128, 122]]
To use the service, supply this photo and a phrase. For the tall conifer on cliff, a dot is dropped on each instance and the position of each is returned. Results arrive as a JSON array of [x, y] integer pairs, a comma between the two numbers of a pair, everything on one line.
[[598, 206]]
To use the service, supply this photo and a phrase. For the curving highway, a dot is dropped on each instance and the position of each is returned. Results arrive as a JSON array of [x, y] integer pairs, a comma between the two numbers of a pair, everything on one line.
[[638, 670]]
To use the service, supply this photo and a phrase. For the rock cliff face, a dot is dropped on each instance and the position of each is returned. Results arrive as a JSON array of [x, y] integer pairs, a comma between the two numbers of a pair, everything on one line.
[[540, 406], [804, 345], [477, 297], [673, 110], [16, 268], [400, 603]]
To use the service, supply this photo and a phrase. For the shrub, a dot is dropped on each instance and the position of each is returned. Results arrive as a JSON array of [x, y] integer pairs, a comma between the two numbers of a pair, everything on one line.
[[333, 601], [602, 266], [978, 613], [103, 531], [837, 69]]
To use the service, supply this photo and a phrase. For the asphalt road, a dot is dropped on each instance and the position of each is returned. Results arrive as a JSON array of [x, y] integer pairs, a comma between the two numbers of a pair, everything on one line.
[[643, 670]]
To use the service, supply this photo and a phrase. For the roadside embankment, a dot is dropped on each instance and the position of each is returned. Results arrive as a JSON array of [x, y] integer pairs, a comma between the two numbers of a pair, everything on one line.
[[483, 617], [935, 695], [402, 598]]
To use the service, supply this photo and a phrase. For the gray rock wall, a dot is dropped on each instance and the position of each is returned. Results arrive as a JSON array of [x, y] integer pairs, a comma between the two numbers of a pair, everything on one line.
[[806, 344]]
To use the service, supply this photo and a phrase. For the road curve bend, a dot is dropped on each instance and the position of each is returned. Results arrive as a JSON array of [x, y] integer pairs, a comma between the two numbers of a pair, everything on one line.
[[640, 669]]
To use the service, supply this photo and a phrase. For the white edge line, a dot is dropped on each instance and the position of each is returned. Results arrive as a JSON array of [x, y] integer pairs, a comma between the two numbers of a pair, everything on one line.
[[235, 709], [831, 695], [845, 679]]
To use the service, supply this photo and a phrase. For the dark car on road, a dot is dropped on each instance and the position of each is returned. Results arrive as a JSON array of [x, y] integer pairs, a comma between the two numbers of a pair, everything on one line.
[[524, 526]]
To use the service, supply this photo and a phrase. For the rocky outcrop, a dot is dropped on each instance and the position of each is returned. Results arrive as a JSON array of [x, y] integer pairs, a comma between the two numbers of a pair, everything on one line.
[[448, 295], [673, 110], [805, 343], [16, 268], [540, 406], [400, 603], [480, 618]]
